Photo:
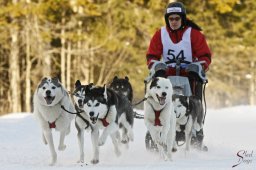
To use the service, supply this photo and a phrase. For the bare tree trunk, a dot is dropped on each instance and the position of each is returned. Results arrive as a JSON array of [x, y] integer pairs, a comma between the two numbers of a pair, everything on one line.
[[63, 58], [41, 52], [91, 66], [14, 71], [68, 86], [77, 60], [85, 66], [28, 69]]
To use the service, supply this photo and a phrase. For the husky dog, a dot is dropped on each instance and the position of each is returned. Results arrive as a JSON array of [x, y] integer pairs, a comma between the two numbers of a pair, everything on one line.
[[82, 119], [160, 119], [189, 114], [122, 86], [79, 94], [107, 110], [48, 99]]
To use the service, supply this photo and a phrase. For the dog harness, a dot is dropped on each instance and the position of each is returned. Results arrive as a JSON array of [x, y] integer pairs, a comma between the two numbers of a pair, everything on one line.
[[104, 120], [52, 125], [157, 120]]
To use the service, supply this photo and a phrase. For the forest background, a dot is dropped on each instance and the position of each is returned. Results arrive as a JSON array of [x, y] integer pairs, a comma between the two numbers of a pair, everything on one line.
[[94, 40]]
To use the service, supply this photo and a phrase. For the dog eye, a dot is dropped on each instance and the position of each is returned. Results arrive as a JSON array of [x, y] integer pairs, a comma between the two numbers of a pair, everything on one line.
[[179, 105], [53, 87], [158, 87], [97, 104], [44, 88], [166, 87], [88, 104]]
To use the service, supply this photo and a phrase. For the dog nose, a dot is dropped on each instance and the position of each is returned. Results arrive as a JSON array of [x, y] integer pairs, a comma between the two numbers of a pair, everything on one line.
[[48, 92], [91, 114], [164, 94], [80, 101]]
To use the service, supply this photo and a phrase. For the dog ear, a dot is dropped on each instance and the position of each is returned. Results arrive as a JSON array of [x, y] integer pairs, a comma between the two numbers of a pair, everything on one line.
[[77, 84], [56, 82], [90, 85], [88, 88], [115, 78], [105, 92], [44, 80], [154, 82]]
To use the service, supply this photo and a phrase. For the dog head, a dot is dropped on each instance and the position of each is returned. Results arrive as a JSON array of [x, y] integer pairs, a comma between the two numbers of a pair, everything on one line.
[[181, 105], [79, 94], [160, 89], [96, 105], [122, 86], [50, 91]]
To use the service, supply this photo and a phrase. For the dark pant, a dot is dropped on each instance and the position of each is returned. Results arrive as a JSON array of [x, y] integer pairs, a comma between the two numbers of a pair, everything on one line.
[[196, 85]]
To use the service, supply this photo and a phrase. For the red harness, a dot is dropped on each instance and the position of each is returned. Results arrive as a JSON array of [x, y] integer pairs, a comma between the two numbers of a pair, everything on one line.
[[157, 120], [52, 125]]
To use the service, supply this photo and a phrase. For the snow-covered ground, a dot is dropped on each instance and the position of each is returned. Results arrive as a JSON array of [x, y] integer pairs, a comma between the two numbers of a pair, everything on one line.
[[229, 134]]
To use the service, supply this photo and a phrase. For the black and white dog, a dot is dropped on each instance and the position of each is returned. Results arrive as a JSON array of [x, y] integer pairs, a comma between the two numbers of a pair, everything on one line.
[[123, 87], [49, 96], [82, 120], [107, 110], [189, 114], [160, 118]]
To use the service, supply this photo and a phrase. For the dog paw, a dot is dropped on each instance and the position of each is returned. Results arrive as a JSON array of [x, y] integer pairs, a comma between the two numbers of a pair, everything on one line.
[[62, 147], [163, 155], [54, 160], [101, 142], [125, 139], [80, 161], [94, 161]]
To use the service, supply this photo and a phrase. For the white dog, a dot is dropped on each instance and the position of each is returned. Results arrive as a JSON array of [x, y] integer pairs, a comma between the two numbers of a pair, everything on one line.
[[160, 119], [48, 99]]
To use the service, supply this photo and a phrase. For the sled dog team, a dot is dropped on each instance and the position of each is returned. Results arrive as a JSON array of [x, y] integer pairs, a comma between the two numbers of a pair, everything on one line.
[[107, 111]]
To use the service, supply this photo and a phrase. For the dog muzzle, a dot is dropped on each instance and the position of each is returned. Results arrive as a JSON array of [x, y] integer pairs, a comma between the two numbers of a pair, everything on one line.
[[161, 99], [94, 119], [49, 99]]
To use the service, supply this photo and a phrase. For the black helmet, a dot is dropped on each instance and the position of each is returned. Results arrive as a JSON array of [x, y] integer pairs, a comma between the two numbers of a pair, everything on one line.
[[175, 8]]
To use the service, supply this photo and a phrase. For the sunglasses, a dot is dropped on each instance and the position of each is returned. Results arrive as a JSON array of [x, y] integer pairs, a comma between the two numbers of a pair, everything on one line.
[[174, 18]]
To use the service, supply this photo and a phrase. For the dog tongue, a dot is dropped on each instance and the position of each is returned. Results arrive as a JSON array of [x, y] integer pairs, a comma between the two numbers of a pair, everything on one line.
[[161, 100], [49, 99]]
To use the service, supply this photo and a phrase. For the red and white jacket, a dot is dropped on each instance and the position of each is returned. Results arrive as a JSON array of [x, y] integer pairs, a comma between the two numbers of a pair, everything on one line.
[[199, 48]]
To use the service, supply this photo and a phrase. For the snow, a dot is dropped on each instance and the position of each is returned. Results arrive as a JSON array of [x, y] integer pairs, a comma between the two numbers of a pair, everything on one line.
[[227, 132]]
